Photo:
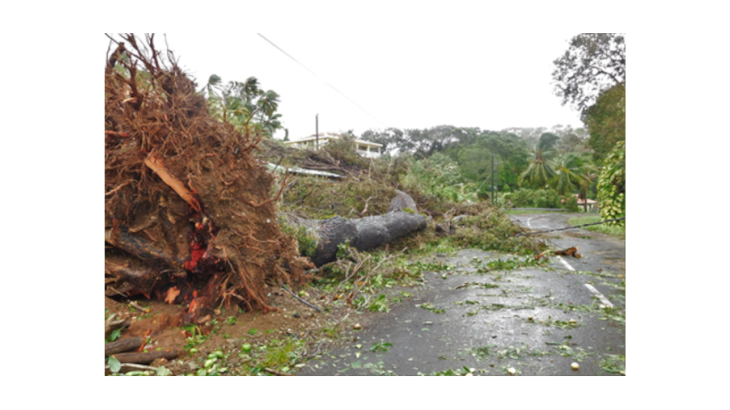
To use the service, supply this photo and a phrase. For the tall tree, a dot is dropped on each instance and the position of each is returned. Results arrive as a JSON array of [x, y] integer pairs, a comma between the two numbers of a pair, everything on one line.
[[593, 63], [243, 104], [570, 170], [547, 141], [606, 120], [539, 173]]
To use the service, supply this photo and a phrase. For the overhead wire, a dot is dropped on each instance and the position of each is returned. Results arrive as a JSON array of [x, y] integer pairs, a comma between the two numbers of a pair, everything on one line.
[[318, 77]]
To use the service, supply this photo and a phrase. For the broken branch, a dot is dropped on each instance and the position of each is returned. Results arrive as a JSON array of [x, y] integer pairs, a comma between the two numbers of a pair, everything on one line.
[[156, 164]]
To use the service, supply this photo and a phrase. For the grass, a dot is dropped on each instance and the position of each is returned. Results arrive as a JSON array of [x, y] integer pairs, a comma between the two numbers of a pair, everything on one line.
[[615, 231]]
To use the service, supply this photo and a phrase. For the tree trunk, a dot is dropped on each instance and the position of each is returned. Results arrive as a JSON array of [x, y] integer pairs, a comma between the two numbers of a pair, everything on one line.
[[363, 233]]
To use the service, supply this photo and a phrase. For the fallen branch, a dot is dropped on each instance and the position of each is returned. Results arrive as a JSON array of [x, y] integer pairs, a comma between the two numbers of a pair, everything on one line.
[[569, 252], [274, 372], [126, 367], [301, 300], [138, 307], [122, 345], [111, 325], [155, 163], [146, 358], [111, 291]]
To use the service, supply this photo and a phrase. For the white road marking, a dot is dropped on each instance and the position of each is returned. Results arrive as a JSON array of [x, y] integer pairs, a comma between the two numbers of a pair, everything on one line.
[[590, 287], [599, 295], [567, 265]]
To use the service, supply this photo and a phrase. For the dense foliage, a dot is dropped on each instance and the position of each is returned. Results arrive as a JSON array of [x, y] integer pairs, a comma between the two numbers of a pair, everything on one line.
[[460, 164], [612, 184], [606, 120], [534, 198]]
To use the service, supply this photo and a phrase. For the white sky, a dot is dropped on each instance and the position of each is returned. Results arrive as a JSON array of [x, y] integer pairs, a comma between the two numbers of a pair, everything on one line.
[[411, 79]]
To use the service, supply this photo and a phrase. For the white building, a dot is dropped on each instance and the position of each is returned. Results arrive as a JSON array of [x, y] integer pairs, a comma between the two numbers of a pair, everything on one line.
[[365, 148]]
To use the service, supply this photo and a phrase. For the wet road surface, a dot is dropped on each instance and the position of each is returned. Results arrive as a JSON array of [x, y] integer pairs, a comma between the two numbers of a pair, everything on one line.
[[468, 318]]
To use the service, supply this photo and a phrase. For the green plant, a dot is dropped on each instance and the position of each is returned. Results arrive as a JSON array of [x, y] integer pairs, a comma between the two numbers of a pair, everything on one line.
[[432, 308], [307, 242], [534, 198], [379, 305], [451, 372], [343, 250], [611, 185], [613, 363], [283, 354], [213, 365], [115, 334], [380, 347], [196, 337], [500, 264], [617, 231]]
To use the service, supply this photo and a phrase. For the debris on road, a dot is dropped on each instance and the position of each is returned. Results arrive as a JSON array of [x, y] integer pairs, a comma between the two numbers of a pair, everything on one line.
[[572, 251]]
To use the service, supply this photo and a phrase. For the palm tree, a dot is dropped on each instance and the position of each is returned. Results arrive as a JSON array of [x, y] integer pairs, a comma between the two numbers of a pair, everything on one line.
[[268, 103], [570, 168], [539, 173]]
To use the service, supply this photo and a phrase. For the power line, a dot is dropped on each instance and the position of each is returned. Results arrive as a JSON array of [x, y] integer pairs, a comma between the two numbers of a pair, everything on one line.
[[318, 77]]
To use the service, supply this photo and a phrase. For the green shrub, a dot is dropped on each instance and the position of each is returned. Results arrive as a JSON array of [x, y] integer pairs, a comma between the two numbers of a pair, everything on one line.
[[571, 204], [534, 198], [307, 242]]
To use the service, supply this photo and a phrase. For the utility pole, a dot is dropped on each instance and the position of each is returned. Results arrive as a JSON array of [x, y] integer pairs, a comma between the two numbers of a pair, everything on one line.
[[316, 129], [492, 178]]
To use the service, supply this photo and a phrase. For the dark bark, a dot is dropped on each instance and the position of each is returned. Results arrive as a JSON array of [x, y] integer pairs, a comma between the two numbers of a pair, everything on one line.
[[120, 238], [130, 277], [146, 358], [330, 233], [123, 345], [363, 233], [401, 202]]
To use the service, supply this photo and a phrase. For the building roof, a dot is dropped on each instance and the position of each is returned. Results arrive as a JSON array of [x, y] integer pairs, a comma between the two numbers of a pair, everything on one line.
[[587, 200], [333, 136], [296, 170]]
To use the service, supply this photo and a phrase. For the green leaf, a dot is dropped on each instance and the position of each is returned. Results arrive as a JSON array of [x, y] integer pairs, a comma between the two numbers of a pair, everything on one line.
[[163, 371], [114, 364], [115, 335]]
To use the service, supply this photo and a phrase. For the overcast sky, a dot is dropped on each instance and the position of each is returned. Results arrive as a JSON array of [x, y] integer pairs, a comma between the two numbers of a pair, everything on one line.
[[415, 79]]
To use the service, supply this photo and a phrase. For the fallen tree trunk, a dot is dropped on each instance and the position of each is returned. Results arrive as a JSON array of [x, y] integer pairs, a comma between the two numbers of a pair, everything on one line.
[[363, 233], [146, 358]]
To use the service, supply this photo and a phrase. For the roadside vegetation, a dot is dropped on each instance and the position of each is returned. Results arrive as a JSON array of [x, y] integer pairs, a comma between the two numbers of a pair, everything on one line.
[[617, 231]]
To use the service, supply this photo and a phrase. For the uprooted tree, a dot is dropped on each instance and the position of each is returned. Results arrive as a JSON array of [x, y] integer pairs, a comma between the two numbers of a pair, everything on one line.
[[189, 211]]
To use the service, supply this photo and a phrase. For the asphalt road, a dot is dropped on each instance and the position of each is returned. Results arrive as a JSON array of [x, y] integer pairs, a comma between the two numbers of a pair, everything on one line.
[[468, 319]]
